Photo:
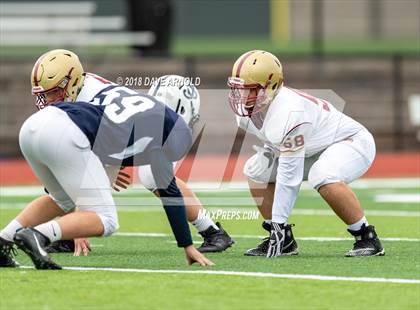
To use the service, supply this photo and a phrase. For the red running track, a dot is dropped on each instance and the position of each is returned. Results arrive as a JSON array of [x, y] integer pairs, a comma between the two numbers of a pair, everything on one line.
[[214, 168]]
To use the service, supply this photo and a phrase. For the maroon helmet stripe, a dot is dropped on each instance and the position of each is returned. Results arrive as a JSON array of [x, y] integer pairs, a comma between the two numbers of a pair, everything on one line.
[[36, 68], [244, 57]]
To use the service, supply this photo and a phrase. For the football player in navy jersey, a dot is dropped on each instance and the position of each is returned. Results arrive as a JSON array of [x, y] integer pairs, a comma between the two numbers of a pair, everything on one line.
[[183, 98], [67, 146]]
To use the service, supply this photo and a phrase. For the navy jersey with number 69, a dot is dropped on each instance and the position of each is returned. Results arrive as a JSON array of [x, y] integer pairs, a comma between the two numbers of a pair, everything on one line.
[[129, 129], [123, 126]]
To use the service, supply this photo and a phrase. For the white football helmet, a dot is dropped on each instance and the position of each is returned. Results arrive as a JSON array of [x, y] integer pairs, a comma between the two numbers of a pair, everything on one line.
[[179, 94]]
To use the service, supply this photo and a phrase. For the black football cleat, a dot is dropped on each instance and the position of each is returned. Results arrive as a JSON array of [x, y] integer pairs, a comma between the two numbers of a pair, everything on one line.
[[260, 250], [60, 246], [290, 246], [367, 243], [7, 251], [33, 243], [215, 240]]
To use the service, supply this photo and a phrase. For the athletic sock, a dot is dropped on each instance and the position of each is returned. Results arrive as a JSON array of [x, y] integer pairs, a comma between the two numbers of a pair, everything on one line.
[[9, 231], [358, 225], [51, 230], [203, 222]]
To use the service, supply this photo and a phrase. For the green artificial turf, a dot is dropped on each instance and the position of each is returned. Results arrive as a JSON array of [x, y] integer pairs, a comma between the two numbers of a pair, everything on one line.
[[25, 288]]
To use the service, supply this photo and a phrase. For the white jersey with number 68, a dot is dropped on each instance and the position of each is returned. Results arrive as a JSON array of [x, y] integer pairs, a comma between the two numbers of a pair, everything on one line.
[[297, 125], [296, 120]]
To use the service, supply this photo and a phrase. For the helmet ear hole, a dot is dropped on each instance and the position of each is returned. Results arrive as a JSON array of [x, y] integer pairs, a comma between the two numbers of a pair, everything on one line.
[[275, 86]]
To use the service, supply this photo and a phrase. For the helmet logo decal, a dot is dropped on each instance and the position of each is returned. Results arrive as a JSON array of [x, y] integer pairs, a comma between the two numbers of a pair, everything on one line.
[[190, 92]]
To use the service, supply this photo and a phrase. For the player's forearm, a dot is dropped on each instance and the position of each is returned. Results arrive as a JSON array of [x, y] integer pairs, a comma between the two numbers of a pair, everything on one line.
[[284, 201], [288, 180], [171, 197], [173, 204]]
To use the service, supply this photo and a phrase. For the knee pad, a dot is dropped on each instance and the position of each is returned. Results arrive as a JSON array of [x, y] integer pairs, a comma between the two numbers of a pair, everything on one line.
[[146, 177], [110, 223], [322, 173]]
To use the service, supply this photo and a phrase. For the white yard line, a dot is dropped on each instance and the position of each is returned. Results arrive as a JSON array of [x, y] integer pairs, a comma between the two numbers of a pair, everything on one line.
[[247, 274], [386, 183], [320, 239], [312, 212], [398, 198], [392, 213]]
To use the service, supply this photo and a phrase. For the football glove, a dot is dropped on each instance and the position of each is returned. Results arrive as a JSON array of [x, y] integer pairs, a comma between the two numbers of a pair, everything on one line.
[[258, 167]]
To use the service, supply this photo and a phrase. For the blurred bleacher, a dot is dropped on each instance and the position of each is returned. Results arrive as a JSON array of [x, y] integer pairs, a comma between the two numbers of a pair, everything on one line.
[[376, 77]]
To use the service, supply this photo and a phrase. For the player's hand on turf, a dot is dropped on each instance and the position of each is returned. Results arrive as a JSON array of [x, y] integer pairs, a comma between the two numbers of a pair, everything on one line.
[[194, 256], [81, 245], [122, 181]]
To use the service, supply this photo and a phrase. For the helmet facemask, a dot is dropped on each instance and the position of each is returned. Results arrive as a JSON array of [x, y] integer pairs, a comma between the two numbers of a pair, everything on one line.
[[247, 100], [47, 97], [195, 117]]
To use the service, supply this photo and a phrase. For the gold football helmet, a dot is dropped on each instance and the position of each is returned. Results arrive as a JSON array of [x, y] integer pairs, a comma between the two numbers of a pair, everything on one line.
[[256, 79], [56, 76]]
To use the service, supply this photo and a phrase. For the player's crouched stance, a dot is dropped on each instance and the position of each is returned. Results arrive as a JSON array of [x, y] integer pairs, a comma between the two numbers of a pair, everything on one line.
[[60, 156], [56, 142], [184, 99], [58, 76], [67, 145], [300, 132]]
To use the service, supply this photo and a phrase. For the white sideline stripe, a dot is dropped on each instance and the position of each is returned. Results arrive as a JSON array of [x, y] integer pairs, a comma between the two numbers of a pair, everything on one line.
[[367, 212], [315, 212], [321, 239], [398, 198], [386, 183], [247, 274]]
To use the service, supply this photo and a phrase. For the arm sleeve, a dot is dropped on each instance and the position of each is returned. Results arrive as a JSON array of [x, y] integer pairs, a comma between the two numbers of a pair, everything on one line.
[[290, 171], [288, 180], [171, 197]]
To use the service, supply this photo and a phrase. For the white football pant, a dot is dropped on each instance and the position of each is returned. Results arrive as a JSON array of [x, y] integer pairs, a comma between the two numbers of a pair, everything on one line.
[[344, 161], [59, 154]]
